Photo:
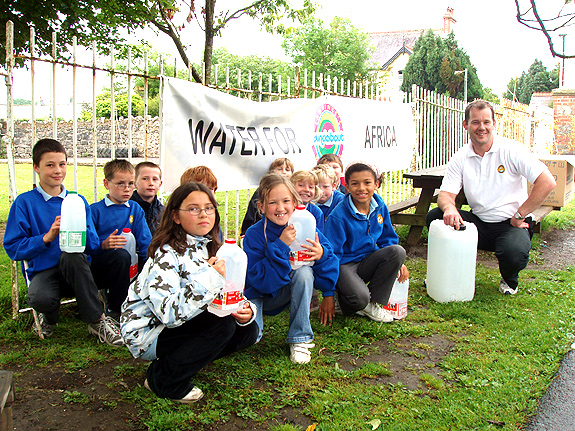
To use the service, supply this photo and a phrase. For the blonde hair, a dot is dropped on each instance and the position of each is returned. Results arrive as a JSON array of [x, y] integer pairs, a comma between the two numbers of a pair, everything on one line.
[[267, 184], [325, 173], [307, 176]]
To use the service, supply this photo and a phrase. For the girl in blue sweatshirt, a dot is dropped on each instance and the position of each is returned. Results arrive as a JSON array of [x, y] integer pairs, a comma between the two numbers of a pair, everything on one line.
[[271, 283], [363, 239]]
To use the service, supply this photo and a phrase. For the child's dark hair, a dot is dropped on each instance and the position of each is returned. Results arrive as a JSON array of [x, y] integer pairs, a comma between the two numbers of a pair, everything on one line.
[[46, 145], [147, 164], [330, 158], [171, 233], [117, 165], [360, 167]]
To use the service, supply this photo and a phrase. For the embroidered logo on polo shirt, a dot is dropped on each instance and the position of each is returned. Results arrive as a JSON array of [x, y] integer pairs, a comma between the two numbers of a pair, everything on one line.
[[131, 219], [501, 169], [380, 219]]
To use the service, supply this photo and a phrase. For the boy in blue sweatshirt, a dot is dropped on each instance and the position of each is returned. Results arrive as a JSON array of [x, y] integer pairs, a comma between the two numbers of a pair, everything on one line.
[[363, 239], [111, 262], [32, 235], [328, 182]]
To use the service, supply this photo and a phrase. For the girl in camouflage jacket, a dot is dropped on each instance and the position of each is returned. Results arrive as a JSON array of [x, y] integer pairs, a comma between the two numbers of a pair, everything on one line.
[[164, 318]]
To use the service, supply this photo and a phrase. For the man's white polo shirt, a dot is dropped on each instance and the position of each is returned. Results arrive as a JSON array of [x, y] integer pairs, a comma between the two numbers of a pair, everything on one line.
[[495, 184]]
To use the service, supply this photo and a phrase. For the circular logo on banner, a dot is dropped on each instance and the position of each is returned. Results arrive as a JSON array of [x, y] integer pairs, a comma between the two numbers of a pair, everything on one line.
[[328, 132], [501, 169], [131, 219], [380, 219]]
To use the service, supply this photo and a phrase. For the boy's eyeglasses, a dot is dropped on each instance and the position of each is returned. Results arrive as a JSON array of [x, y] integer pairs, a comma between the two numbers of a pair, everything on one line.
[[197, 211], [124, 186]]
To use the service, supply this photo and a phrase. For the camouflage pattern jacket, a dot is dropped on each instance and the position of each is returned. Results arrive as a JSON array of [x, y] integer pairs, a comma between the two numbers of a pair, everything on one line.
[[171, 289]]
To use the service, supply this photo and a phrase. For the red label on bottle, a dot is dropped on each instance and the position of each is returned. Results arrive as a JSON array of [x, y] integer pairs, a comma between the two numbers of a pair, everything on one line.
[[133, 270]]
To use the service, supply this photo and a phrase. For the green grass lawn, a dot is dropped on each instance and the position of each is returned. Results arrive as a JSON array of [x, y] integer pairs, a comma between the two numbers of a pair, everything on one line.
[[482, 364]]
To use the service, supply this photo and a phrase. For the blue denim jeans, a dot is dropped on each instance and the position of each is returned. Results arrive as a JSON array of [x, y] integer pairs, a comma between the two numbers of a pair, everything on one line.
[[297, 295]]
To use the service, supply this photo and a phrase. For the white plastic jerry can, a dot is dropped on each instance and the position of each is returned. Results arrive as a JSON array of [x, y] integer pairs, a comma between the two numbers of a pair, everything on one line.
[[451, 259]]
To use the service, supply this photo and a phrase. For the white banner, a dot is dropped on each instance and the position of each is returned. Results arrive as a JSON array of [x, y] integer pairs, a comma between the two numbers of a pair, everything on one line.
[[238, 138]]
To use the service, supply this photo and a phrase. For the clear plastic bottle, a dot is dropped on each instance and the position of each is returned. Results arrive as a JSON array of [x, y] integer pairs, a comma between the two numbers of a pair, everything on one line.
[[304, 223], [231, 298], [131, 247], [398, 299], [73, 224]]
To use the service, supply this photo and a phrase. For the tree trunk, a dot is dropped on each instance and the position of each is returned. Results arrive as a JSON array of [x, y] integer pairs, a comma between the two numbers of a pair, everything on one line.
[[209, 45]]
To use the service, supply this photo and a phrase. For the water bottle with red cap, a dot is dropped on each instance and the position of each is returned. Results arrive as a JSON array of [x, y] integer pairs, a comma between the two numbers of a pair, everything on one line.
[[231, 298], [130, 246], [304, 224]]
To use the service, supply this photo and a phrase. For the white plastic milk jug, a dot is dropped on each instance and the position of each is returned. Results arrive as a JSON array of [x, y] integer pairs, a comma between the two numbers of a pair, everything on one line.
[[231, 298], [398, 299], [73, 224], [451, 257], [304, 223], [130, 246]]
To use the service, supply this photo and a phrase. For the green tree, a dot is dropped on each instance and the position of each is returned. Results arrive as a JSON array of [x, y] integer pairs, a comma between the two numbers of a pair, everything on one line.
[[437, 65], [104, 108], [490, 96], [100, 21], [253, 64], [103, 20], [341, 50], [536, 79]]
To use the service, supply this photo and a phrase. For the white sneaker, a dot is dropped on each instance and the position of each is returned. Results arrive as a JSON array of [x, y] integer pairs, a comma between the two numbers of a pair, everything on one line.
[[299, 352], [376, 312], [194, 395], [505, 289], [107, 331], [46, 329]]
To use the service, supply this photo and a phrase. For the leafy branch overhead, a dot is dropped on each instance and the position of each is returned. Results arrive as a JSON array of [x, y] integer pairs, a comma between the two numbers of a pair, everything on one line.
[[106, 21]]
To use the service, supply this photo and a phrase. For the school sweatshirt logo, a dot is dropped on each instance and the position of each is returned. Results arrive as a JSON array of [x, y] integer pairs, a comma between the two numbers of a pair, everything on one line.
[[328, 132], [380, 219]]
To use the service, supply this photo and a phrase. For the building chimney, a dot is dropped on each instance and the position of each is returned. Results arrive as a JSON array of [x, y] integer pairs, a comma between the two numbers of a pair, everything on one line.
[[448, 21]]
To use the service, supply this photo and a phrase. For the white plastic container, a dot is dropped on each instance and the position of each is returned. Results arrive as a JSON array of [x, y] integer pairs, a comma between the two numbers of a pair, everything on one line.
[[73, 224], [398, 299], [304, 223], [231, 298], [451, 258], [131, 247]]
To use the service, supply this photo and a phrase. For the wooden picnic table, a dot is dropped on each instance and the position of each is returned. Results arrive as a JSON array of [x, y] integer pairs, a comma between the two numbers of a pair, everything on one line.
[[429, 180]]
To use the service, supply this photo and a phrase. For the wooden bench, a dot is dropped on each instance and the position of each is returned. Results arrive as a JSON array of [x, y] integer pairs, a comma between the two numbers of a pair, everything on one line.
[[539, 214], [6, 400]]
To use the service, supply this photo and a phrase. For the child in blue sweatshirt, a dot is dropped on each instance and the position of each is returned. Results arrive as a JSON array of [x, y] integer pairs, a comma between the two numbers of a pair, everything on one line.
[[306, 185], [328, 182], [32, 235], [271, 283], [364, 241], [111, 262]]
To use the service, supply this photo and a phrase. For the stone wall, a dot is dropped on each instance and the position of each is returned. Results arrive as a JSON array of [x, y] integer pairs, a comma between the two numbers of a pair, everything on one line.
[[24, 141], [564, 114]]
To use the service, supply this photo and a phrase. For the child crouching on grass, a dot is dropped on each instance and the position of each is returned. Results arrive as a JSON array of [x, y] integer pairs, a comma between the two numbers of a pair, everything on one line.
[[271, 283], [164, 318], [366, 246]]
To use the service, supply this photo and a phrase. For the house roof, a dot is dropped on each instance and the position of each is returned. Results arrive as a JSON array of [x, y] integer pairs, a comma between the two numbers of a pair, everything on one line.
[[391, 44]]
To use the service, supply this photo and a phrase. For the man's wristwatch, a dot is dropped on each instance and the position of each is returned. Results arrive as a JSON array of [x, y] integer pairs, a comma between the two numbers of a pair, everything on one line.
[[518, 216]]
